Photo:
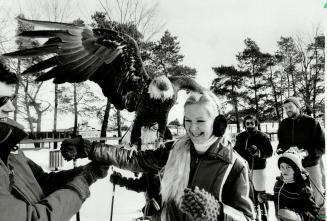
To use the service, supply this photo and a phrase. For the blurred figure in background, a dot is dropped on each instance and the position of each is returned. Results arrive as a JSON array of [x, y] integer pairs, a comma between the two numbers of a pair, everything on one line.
[[255, 147], [304, 133]]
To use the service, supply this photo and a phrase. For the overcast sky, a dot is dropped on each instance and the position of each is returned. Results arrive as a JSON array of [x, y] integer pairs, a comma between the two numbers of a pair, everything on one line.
[[211, 32]]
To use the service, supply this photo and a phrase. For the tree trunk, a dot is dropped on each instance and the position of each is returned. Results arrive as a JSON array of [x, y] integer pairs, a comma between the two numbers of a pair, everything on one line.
[[237, 116], [293, 78], [274, 94], [28, 112], [75, 131], [315, 86], [104, 126], [118, 123], [16, 90], [55, 114], [38, 121], [255, 92]]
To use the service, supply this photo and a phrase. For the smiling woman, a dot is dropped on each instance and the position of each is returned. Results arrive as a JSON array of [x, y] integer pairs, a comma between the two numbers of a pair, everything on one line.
[[194, 168]]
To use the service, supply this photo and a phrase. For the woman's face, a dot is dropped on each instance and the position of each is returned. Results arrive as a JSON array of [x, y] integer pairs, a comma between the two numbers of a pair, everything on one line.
[[286, 170], [198, 123]]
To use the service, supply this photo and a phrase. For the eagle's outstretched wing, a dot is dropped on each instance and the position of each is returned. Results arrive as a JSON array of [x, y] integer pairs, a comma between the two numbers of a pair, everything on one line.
[[109, 58]]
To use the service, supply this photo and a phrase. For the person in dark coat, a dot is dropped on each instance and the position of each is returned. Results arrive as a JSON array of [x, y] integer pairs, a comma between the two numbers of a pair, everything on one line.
[[255, 147], [304, 133], [26, 191], [293, 195]]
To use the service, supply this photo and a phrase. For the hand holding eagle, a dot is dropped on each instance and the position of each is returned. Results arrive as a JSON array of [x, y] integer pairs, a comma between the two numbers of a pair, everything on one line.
[[110, 59]]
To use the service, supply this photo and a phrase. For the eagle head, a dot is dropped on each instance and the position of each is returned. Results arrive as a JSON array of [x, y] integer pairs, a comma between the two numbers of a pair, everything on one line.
[[161, 88]]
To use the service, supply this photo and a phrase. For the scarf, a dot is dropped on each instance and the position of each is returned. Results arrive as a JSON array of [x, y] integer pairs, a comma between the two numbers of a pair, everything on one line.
[[177, 170], [288, 179], [203, 147]]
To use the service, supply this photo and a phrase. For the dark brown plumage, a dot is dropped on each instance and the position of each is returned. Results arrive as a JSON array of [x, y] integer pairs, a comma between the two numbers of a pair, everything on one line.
[[110, 59]]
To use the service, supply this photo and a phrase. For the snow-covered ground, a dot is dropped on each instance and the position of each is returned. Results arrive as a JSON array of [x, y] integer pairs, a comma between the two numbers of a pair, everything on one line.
[[127, 204]]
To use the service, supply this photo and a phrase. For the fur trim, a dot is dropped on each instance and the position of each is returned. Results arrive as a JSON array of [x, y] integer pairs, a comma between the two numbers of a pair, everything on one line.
[[156, 93], [176, 172]]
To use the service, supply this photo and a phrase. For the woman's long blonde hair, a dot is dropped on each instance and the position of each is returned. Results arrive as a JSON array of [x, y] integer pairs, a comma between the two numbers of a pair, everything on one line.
[[176, 172]]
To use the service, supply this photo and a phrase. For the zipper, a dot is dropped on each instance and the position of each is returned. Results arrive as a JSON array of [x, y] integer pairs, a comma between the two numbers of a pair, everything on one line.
[[196, 166], [11, 178], [13, 187]]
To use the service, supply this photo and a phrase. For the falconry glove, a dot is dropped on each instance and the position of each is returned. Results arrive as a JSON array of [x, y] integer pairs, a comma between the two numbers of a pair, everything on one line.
[[87, 175], [75, 148]]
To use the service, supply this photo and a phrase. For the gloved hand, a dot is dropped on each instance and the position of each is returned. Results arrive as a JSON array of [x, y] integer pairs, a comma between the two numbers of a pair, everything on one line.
[[75, 148], [200, 205], [87, 175], [93, 171], [115, 178], [288, 215], [262, 197], [253, 150]]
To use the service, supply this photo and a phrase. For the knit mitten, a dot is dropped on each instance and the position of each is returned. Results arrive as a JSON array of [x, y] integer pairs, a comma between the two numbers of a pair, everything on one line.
[[200, 205]]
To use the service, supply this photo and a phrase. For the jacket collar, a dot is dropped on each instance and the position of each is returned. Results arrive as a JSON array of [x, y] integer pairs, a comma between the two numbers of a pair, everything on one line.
[[221, 149]]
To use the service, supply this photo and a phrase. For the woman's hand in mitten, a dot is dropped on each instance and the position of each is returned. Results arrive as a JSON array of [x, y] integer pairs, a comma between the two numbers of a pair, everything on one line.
[[200, 205]]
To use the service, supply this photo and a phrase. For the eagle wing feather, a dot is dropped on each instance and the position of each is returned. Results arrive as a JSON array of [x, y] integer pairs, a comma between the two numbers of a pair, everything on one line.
[[109, 58]]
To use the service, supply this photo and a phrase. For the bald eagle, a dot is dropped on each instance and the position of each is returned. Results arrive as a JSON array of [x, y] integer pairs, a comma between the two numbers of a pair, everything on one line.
[[112, 60]]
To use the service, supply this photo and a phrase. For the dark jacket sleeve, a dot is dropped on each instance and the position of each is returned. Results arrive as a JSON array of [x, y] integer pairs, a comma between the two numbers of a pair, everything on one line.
[[309, 210], [239, 145], [266, 150], [240, 206], [318, 140], [52, 181], [137, 185], [282, 143], [60, 205], [141, 161]]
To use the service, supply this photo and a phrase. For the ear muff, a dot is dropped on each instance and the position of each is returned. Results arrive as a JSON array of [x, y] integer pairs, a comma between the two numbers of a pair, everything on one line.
[[219, 125]]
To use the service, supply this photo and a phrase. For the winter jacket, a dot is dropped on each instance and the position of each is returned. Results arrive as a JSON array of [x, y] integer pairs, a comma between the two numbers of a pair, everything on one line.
[[27, 193], [245, 139], [305, 133], [206, 171], [296, 197]]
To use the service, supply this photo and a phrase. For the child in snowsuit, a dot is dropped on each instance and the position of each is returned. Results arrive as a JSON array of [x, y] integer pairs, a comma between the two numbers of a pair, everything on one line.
[[293, 195]]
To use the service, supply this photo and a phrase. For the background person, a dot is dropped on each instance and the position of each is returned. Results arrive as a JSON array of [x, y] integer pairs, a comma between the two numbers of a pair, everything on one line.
[[255, 147], [293, 195], [305, 133]]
